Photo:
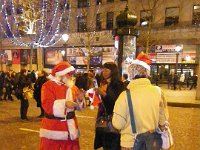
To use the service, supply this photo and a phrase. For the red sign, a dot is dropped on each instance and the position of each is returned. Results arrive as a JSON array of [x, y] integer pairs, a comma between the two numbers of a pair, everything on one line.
[[16, 56]]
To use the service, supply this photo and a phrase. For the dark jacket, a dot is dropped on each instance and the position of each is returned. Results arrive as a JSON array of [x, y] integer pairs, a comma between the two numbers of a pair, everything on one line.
[[107, 139], [37, 89], [23, 82]]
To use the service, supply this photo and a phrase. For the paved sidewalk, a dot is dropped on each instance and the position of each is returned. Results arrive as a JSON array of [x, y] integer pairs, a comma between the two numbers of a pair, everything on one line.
[[181, 98]]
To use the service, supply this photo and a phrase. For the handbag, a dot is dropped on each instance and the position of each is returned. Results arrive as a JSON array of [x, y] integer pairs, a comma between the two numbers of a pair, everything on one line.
[[166, 136], [104, 123], [28, 93]]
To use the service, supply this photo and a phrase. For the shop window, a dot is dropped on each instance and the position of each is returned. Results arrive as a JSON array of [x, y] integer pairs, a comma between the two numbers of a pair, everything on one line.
[[171, 16], [98, 22], [98, 2], [109, 22], [145, 17], [83, 3], [82, 24], [196, 15]]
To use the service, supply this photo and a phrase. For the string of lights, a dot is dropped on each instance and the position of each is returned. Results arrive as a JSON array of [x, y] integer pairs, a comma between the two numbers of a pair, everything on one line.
[[44, 33]]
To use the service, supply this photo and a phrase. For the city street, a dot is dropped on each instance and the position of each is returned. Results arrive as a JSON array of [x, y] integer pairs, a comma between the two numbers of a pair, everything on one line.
[[18, 135]]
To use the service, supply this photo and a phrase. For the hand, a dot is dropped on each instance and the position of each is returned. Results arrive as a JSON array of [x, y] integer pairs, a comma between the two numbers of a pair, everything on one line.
[[100, 92], [80, 95], [70, 104]]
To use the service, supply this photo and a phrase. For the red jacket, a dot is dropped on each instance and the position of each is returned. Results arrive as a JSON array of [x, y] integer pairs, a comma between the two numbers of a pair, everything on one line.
[[53, 96]]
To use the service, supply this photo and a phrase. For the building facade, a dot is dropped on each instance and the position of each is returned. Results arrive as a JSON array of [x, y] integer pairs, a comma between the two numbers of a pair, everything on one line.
[[163, 26]]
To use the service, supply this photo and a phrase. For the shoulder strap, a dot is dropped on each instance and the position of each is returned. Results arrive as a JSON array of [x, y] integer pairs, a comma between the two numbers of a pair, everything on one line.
[[132, 119]]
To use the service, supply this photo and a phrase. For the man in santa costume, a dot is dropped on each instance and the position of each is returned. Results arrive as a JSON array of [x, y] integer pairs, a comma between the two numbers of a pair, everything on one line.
[[60, 98]]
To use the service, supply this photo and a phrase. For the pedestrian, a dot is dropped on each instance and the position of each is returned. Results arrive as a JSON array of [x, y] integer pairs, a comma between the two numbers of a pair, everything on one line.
[[110, 88], [194, 82], [22, 83], [60, 98], [169, 81], [125, 80], [175, 81], [157, 77], [42, 78], [2, 77], [148, 110], [181, 81], [33, 76], [8, 87]]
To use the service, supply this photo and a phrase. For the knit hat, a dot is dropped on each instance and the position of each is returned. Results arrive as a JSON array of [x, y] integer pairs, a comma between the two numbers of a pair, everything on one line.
[[139, 66], [62, 68]]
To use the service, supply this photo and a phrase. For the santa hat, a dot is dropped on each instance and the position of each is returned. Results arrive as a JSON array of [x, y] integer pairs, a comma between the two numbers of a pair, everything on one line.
[[142, 60], [62, 68], [140, 66]]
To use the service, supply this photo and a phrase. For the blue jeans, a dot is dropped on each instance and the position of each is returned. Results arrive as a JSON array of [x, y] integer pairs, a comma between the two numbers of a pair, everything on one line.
[[148, 141]]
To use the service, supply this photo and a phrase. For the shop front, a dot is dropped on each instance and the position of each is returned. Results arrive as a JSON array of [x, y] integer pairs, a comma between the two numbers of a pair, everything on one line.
[[77, 56], [166, 60]]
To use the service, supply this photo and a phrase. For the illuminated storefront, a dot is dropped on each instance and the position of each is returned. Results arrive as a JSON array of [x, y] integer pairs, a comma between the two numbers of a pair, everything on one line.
[[164, 60]]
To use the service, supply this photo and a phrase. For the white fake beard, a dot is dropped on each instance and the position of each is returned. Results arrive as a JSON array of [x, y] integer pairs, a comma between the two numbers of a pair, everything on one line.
[[68, 82]]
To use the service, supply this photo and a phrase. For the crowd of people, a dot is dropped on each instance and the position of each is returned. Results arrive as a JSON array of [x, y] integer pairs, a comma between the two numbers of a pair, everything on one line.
[[59, 95], [178, 81]]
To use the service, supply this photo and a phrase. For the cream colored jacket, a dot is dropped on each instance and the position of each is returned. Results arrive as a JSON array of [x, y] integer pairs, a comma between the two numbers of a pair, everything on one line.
[[149, 108]]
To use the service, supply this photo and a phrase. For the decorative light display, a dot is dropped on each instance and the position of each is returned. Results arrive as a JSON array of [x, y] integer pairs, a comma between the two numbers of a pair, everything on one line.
[[33, 23]]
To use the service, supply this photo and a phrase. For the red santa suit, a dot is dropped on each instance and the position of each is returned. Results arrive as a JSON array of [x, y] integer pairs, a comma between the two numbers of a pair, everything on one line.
[[59, 128]]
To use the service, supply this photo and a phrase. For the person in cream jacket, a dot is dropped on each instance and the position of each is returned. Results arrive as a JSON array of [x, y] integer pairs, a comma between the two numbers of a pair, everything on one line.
[[149, 109]]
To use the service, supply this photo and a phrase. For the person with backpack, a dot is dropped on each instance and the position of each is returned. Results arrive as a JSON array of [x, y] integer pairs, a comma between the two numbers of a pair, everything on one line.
[[138, 128]]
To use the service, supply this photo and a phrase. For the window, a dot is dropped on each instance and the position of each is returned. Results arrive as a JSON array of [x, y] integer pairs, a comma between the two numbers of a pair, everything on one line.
[[196, 15], [171, 16], [98, 22], [64, 24], [83, 3], [110, 0], [82, 24], [109, 24], [98, 2], [145, 17]]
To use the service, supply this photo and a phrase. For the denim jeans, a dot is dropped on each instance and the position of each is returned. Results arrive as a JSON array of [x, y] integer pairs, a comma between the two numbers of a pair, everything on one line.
[[148, 141]]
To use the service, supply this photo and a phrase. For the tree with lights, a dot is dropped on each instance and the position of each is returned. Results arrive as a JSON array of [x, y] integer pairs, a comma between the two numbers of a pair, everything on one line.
[[33, 23]]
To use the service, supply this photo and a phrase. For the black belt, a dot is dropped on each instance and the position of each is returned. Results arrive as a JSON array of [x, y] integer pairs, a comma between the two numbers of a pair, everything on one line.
[[70, 115]]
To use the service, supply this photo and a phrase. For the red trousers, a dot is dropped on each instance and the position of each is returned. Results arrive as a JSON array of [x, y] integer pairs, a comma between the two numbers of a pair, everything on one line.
[[48, 144]]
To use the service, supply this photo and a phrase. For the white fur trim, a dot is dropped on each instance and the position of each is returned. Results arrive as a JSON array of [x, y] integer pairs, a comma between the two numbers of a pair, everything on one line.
[[141, 63], [73, 131], [54, 135], [50, 76], [65, 71], [59, 108]]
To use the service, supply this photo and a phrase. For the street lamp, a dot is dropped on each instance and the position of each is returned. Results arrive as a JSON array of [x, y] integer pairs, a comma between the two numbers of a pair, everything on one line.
[[125, 35], [177, 49], [65, 38]]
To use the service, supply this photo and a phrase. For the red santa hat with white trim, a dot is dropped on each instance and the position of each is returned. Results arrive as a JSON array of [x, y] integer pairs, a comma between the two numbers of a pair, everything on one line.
[[139, 66], [62, 68]]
